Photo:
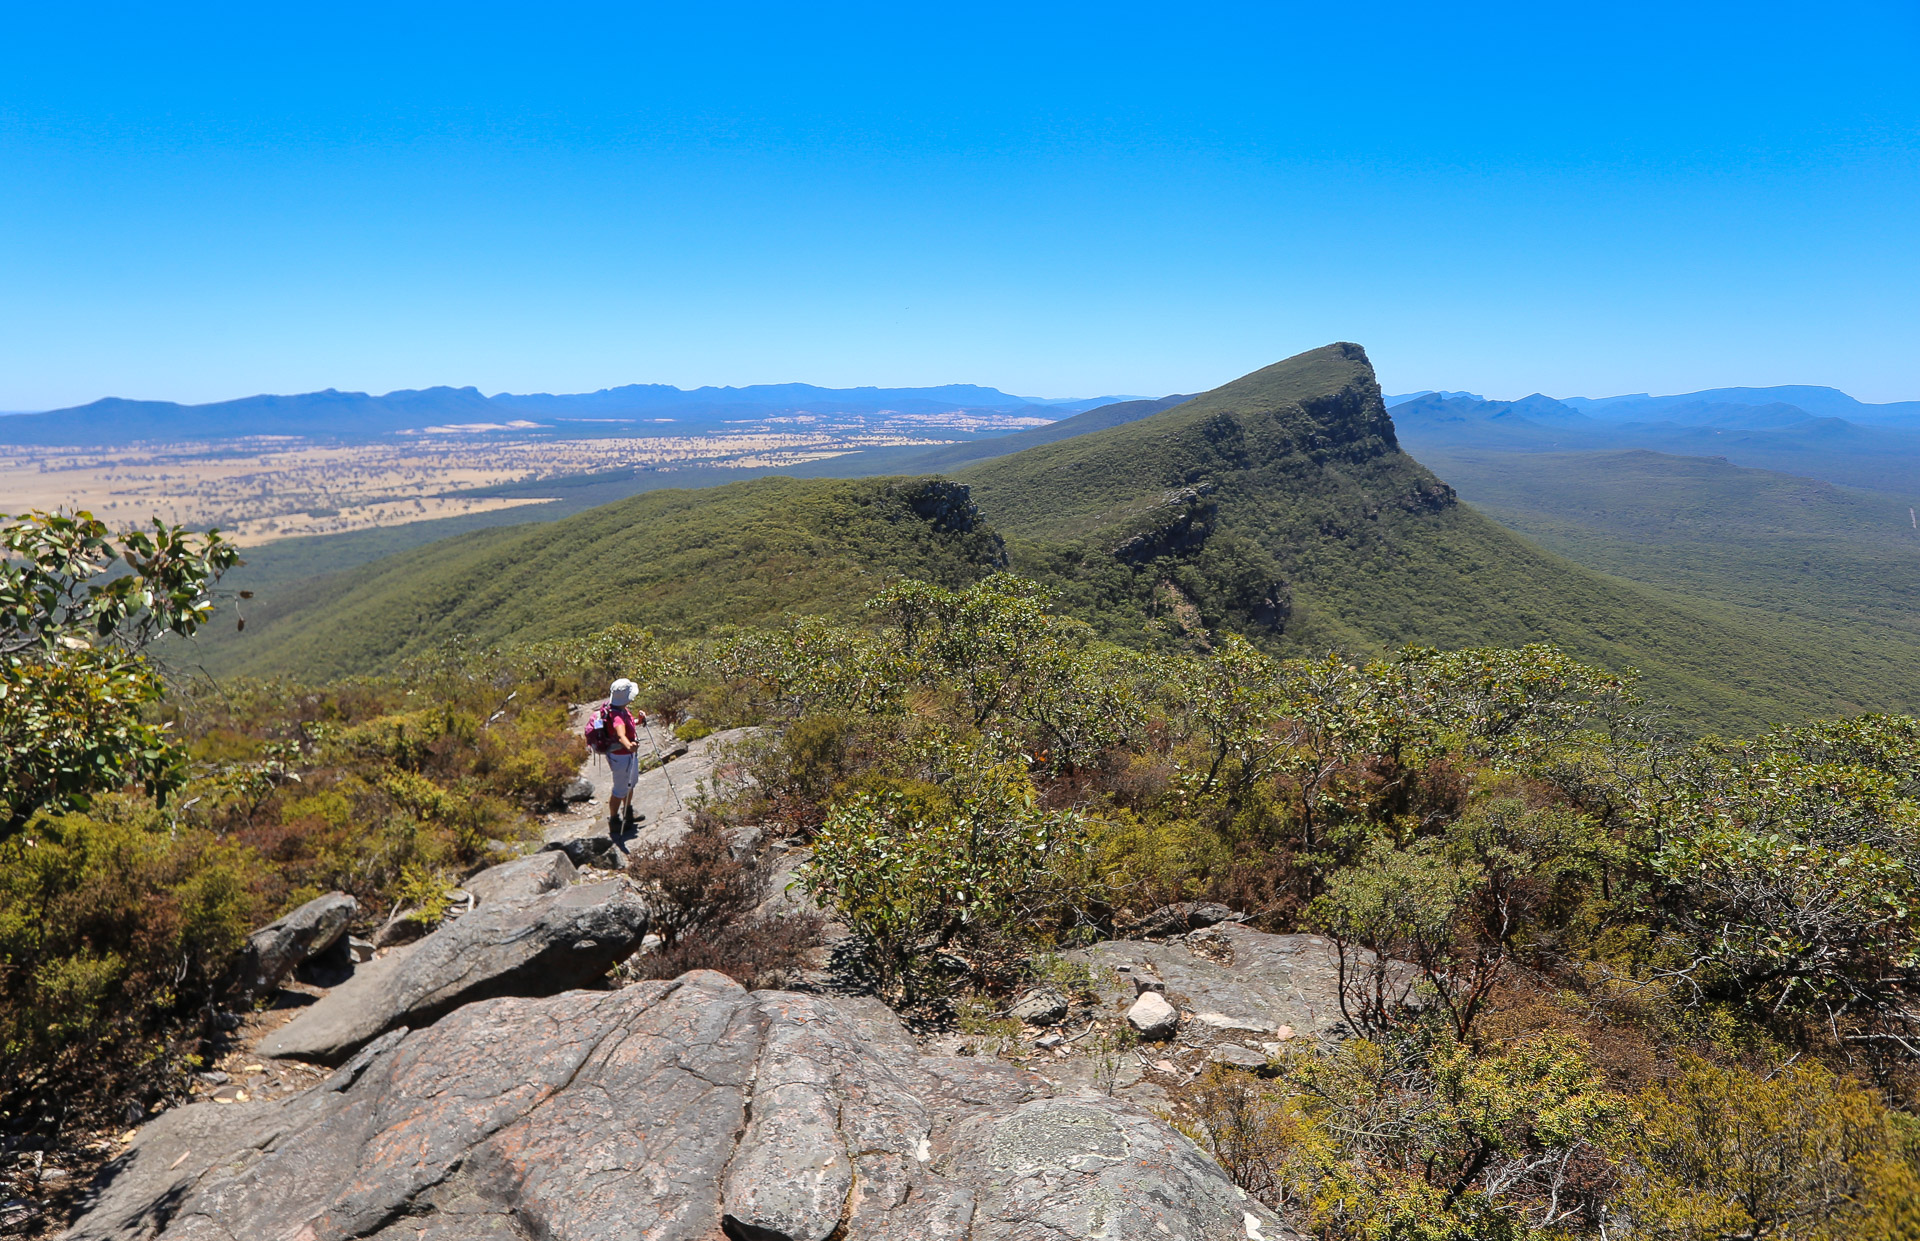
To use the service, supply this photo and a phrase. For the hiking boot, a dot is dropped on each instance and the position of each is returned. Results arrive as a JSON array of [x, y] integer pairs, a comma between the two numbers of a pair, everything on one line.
[[629, 819], [613, 825]]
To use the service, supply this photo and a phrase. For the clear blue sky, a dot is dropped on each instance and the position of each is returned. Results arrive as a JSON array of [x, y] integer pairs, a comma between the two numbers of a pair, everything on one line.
[[199, 202]]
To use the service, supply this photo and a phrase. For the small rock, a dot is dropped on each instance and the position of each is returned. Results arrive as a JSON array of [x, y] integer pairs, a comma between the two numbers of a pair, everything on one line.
[[577, 791], [1165, 1066], [1152, 1017], [1049, 1040], [1143, 983], [1225, 1021], [213, 1077], [1239, 1057], [1042, 1006], [596, 851], [361, 950]]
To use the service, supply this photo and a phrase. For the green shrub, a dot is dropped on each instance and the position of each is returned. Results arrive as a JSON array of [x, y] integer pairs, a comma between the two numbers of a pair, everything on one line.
[[110, 925], [918, 873], [1799, 1152]]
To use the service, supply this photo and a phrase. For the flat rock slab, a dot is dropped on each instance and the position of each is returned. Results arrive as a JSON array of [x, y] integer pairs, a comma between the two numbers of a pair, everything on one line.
[[537, 946], [1274, 985], [676, 1111], [520, 880]]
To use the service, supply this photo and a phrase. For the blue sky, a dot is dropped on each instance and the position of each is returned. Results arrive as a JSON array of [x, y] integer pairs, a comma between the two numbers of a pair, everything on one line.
[[199, 202]]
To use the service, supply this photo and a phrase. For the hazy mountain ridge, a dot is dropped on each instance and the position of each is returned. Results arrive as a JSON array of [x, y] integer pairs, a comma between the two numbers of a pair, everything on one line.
[[336, 414], [1770, 434]]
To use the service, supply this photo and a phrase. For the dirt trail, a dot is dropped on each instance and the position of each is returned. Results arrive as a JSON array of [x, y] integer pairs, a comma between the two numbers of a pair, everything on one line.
[[664, 795]]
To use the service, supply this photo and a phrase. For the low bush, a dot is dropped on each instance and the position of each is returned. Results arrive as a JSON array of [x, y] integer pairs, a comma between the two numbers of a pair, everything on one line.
[[706, 904]]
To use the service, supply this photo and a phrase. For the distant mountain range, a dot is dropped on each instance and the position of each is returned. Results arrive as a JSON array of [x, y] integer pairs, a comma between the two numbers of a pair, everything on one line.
[[633, 409], [1820, 433], [1640, 407]]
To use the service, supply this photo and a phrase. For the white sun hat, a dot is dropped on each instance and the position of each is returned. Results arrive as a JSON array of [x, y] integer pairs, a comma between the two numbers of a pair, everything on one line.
[[622, 692]]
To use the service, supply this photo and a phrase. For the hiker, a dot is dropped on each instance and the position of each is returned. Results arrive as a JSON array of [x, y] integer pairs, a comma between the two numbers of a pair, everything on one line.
[[620, 737]]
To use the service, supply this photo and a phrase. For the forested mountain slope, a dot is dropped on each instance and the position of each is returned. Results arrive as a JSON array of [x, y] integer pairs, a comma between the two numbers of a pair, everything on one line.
[[1279, 505], [680, 561]]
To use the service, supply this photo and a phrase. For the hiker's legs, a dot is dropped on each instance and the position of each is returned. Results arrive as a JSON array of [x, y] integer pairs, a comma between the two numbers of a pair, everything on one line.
[[625, 768]]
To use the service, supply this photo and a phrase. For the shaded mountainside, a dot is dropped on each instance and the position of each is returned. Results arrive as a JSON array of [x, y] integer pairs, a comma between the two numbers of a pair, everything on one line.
[[679, 561], [1280, 505]]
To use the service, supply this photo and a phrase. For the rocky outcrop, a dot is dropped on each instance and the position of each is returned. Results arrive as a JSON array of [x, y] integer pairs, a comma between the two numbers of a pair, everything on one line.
[[1180, 522], [676, 1110], [1236, 982], [275, 950], [538, 945]]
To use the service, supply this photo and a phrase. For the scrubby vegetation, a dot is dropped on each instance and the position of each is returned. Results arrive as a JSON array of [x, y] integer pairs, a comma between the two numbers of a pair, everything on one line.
[[1628, 984]]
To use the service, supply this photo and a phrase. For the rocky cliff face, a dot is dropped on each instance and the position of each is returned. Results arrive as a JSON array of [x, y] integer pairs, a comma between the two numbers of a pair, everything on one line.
[[668, 1110]]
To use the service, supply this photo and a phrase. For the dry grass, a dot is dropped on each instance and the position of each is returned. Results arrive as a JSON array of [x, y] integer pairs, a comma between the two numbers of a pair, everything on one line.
[[266, 488]]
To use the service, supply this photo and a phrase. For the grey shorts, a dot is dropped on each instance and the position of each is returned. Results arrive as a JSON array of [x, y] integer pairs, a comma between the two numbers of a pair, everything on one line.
[[626, 769]]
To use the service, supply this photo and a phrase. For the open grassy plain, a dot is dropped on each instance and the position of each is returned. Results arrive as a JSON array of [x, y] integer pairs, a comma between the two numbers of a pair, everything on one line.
[[269, 488]]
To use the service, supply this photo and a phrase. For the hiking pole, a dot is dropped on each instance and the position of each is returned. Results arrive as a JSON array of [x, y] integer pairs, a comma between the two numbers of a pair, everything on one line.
[[663, 766]]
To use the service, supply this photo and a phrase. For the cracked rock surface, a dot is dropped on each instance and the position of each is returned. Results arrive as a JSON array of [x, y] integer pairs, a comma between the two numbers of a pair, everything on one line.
[[689, 1109]]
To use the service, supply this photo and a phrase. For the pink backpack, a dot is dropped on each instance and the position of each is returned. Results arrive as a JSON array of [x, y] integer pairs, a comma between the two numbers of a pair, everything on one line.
[[599, 734]]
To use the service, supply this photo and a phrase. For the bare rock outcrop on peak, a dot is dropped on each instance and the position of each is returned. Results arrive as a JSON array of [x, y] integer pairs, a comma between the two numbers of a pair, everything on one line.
[[689, 1109], [537, 945]]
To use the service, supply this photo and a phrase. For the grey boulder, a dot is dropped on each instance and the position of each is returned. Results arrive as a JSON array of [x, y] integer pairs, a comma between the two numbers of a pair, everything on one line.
[[537, 946], [678, 1111], [277, 949], [1152, 1017]]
